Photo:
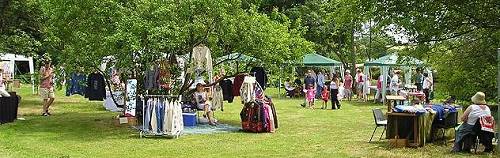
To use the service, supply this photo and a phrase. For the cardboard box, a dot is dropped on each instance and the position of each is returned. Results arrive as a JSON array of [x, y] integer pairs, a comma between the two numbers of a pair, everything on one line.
[[398, 143], [131, 121]]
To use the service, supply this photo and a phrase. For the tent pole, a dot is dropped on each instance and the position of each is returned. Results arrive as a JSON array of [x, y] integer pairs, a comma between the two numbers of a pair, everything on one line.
[[32, 72], [279, 82], [384, 83]]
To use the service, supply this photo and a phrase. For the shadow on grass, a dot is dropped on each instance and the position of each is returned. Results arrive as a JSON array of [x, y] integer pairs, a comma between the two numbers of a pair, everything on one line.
[[68, 126], [370, 104]]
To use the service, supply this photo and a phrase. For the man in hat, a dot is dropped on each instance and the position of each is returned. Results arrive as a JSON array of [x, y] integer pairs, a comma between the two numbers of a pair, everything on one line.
[[47, 86]]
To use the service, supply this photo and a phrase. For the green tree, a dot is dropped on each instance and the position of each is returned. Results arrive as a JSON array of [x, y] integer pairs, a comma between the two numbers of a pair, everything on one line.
[[459, 39], [141, 31], [21, 30]]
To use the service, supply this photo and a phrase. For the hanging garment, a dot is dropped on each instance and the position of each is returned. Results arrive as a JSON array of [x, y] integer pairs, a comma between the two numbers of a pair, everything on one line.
[[167, 117], [164, 75], [147, 115], [272, 126], [247, 90], [218, 98], [180, 119], [154, 119], [110, 105], [95, 87], [251, 117], [269, 101], [76, 84], [238, 81], [269, 118], [227, 90], [259, 92], [131, 101], [261, 76], [202, 58], [151, 78], [160, 114], [170, 121], [263, 117]]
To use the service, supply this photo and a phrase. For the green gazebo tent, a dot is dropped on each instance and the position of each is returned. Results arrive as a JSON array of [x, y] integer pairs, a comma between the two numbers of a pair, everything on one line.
[[314, 59]]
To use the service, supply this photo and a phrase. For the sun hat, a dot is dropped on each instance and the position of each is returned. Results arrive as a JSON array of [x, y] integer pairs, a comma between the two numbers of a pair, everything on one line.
[[347, 71], [479, 98]]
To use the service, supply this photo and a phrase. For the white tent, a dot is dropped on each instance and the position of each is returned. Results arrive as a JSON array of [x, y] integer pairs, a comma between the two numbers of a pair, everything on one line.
[[8, 63], [392, 60]]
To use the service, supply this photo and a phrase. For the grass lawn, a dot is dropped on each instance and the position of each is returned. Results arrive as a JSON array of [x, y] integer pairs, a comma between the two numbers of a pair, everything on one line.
[[79, 128]]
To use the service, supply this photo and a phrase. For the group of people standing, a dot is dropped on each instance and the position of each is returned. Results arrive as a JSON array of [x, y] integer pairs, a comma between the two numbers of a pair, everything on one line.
[[324, 87], [329, 87], [333, 87]]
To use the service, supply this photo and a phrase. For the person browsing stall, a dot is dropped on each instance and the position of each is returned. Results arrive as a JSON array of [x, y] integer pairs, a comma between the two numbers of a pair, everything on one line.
[[334, 92], [427, 87], [325, 95], [360, 83], [310, 95], [309, 81], [348, 85], [395, 83], [320, 83]]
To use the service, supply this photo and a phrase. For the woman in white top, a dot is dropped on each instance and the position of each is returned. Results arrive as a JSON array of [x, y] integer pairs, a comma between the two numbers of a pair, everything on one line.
[[427, 87], [334, 91], [471, 115], [395, 83], [201, 99]]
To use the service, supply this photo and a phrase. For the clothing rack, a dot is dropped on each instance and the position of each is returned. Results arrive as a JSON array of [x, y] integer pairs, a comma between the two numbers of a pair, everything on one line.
[[146, 132], [167, 96]]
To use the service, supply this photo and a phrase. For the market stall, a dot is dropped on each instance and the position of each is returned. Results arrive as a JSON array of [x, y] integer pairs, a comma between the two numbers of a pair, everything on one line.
[[416, 127], [389, 61], [9, 62], [316, 60]]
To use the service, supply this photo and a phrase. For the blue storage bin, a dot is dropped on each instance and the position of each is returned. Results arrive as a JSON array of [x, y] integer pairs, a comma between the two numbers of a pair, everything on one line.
[[189, 119]]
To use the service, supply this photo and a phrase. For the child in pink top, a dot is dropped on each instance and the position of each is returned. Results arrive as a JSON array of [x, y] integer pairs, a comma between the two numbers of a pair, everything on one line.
[[310, 94]]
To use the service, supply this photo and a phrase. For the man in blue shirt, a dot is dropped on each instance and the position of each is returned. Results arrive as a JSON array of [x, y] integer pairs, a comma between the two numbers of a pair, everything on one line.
[[320, 83], [309, 80]]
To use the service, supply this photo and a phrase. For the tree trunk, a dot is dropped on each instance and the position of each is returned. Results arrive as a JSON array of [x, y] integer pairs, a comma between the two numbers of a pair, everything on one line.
[[353, 51], [370, 43]]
